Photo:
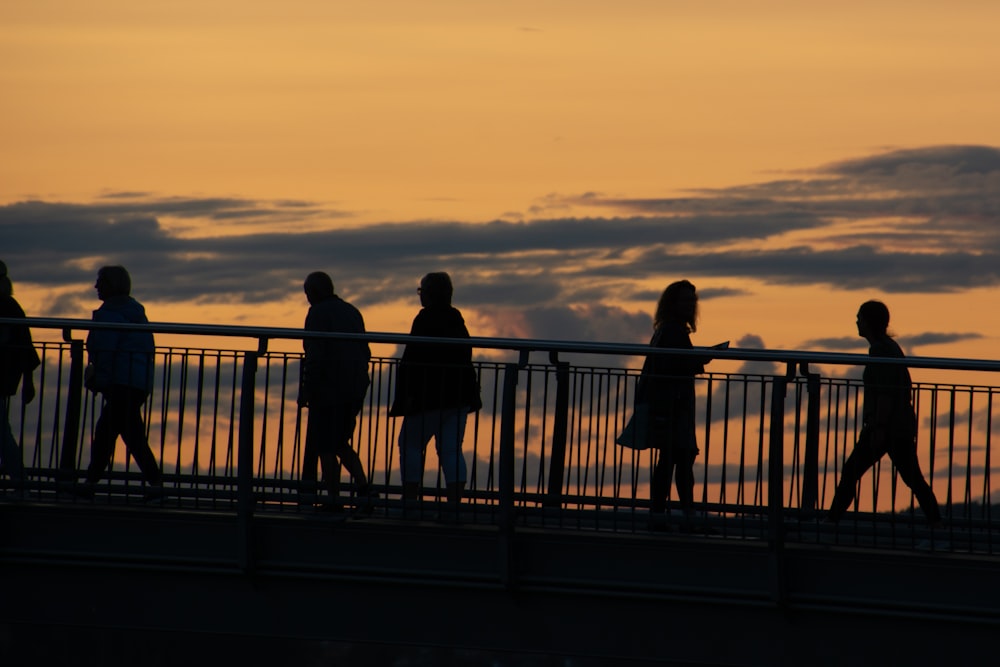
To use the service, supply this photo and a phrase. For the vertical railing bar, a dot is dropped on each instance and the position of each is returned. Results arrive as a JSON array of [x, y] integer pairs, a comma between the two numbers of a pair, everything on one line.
[[74, 401], [213, 445], [245, 479], [507, 428], [779, 386], [987, 472], [526, 435]]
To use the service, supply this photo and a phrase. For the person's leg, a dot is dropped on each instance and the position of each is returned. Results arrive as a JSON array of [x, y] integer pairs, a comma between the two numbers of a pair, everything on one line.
[[310, 456], [904, 456], [10, 451], [414, 435], [861, 459], [663, 471], [659, 484], [102, 447], [345, 421], [448, 441], [684, 476], [331, 478], [133, 432], [319, 451]]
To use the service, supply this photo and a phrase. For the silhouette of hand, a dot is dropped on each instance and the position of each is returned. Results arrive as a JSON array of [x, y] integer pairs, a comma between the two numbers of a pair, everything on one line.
[[89, 373], [28, 390]]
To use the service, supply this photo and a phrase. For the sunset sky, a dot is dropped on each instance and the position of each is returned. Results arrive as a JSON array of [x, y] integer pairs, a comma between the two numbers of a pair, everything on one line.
[[564, 161]]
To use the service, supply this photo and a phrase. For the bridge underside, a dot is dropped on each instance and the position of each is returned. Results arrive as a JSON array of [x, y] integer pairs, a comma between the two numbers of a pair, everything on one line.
[[91, 585]]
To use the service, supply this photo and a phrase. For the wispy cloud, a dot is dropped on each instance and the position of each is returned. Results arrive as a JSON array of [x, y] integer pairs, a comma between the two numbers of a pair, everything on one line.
[[857, 344], [922, 220]]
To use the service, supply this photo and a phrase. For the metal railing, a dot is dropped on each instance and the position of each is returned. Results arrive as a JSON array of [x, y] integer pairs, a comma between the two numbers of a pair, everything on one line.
[[224, 424]]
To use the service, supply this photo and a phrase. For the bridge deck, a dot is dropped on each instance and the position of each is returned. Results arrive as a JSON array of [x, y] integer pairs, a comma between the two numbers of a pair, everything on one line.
[[605, 592]]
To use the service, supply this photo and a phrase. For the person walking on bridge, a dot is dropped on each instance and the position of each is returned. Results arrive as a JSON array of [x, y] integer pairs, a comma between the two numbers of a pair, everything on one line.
[[666, 385], [18, 360], [120, 369], [436, 389], [333, 386], [889, 423]]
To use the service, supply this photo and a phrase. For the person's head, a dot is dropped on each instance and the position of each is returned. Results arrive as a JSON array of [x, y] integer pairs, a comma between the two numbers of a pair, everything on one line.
[[318, 286], [873, 319], [113, 281], [6, 287], [678, 303], [435, 289]]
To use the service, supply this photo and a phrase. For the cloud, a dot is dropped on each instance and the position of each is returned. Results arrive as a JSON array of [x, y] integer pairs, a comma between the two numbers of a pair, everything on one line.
[[932, 338], [856, 344], [916, 220], [838, 344]]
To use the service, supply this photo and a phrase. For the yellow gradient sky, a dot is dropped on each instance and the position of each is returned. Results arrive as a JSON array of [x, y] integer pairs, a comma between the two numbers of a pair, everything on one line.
[[563, 160]]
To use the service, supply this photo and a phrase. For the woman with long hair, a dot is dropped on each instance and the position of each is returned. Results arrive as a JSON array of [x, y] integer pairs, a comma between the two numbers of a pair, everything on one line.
[[667, 387]]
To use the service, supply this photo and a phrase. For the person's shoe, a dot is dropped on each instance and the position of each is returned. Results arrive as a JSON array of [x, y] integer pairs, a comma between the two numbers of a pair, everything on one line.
[[657, 522], [154, 494], [413, 509], [83, 491], [365, 503], [330, 507]]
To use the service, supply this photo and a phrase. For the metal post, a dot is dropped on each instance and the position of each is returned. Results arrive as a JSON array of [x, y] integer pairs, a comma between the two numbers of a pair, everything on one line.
[[775, 482], [560, 428], [508, 420], [244, 470], [74, 400], [810, 462]]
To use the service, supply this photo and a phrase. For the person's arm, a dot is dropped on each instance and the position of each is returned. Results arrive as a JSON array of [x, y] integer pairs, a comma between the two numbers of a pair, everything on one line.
[[308, 350], [101, 345], [28, 387], [881, 419], [679, 366], [28, 358]]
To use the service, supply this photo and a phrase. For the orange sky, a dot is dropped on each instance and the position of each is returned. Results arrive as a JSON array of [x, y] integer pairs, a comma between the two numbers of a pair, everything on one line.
[[375, 112]]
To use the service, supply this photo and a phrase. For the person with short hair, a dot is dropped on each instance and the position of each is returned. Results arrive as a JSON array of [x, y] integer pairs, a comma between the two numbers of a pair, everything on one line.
[[889, 423], [436, 389], [333, 385], [120, 369]]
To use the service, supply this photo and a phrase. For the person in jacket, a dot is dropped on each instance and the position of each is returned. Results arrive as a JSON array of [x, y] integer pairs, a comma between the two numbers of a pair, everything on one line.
[[333, 386], [18, 360], [666, 385], [436, 389], [889, 423], [120, 369]]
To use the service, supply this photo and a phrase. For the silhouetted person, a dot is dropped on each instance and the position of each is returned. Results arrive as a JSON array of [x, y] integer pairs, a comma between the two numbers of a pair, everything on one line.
[[333, 386], [436, 389], [120, 368], [889, 423], [666, 385], [18, 360]]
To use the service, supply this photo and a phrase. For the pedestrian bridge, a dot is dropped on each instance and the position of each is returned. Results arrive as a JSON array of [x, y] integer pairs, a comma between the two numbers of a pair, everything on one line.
[[550, 559]]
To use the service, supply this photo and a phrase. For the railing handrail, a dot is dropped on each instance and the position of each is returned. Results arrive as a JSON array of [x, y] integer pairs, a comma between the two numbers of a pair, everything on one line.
[[515, 344]]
